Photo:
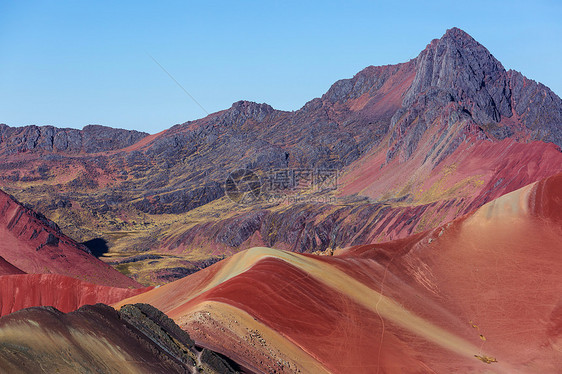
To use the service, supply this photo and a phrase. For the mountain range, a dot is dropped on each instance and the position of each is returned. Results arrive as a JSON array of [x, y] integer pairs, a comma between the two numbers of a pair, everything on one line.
[[406, 221]]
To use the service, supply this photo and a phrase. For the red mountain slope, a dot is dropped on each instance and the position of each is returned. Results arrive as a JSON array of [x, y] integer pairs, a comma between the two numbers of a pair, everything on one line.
[[480, 294], [64, 293], [33, 244]]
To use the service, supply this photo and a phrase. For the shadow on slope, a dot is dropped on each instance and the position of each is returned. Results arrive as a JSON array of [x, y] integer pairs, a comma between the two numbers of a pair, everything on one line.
[[98, 246]]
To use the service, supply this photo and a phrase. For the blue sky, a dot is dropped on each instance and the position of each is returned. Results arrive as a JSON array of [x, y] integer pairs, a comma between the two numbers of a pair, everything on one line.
[[73, 63]]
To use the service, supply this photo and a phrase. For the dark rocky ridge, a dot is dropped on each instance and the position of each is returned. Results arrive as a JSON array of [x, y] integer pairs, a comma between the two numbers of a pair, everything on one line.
[[465, 69], [453, 71], [91, 139], [539, 109], [458, 73]]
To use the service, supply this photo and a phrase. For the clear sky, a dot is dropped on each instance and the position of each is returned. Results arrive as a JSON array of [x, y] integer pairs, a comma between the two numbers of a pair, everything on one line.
[[73, 63]]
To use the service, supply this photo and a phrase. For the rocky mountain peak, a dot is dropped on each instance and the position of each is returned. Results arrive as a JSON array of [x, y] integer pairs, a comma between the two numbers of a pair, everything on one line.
[[457, 34], [467, 70], [243, 110]]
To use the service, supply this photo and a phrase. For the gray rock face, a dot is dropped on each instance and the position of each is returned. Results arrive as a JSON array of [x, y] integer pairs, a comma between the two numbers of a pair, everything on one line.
[[96, 138], [539, 109], [462, 89], [468, 71], [242, 111]]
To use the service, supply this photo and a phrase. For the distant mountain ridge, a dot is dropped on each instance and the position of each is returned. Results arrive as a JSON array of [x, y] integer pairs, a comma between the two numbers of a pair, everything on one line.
[[91, 139], [417, 144], [455, 65]]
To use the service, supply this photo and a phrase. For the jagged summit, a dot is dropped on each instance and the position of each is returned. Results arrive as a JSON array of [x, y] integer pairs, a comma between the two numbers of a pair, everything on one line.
[[457, 37], [243, 110], [249, 106], [456, 33], [468, 71]]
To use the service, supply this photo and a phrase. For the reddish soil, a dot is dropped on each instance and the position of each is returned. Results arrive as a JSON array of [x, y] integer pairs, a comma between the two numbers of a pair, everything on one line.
[[481, 294], [64, 293]]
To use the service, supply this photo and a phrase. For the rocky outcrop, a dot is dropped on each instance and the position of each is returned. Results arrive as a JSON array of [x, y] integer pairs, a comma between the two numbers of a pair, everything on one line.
[[537, 107], [179, 201], [164, 332], [242, 111]]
